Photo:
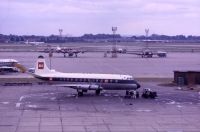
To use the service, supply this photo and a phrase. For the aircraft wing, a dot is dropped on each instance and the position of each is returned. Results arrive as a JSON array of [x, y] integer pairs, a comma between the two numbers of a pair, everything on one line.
[[134, 53], [80, 86]]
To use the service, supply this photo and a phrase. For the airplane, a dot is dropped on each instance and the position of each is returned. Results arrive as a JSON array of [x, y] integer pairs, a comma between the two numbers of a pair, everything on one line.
[[118, 50], [71, 52], [147, 53], [83, 82], [33, 42], [8, 65]]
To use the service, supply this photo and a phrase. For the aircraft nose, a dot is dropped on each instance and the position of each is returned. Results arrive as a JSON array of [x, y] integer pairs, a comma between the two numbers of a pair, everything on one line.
[[138, 85]]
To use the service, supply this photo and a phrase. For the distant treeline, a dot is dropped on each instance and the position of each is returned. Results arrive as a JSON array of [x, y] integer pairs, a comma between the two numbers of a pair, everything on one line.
[[96, 38]]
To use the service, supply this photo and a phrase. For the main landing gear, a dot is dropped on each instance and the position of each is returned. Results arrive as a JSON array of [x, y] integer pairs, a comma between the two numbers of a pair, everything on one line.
[[97, 92], [132, 94], [80, 92]]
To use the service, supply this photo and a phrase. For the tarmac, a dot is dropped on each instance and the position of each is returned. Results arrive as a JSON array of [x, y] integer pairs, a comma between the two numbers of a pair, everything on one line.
[[45, 108]]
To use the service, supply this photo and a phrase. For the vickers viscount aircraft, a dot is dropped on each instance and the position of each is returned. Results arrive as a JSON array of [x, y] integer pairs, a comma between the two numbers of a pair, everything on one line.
[[83, 82]]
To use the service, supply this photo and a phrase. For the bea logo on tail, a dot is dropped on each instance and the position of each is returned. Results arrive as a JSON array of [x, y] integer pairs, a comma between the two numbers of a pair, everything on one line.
[[40, 65]]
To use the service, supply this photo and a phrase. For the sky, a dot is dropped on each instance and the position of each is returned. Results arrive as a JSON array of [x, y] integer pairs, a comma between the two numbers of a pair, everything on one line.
[[78, 17]]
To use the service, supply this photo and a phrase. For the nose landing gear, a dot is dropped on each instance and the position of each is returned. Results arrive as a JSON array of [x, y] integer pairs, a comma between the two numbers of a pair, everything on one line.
[[132, 94]]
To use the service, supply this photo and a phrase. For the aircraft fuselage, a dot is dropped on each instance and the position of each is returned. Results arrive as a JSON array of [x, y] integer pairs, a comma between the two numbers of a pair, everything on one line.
[[107, 84]]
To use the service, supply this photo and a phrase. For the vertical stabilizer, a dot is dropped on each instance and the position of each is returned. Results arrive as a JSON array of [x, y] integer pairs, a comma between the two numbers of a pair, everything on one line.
[[41, 67]]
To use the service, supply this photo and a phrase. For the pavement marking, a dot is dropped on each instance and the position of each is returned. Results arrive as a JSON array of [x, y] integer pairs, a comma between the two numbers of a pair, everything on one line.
[[179, 106], [172, 102], [32, 106], [53, 98], [143, 110], [18, 105], [5, 103]]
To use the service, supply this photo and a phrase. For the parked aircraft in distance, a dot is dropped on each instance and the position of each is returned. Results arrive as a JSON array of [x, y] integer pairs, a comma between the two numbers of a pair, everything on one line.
[[33, 42], [154, 41], [147, 53], [118, 50], [72, 52], [10, 65], [83, 82]]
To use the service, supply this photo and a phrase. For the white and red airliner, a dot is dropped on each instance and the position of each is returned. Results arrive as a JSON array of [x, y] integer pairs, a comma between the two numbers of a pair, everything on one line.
[[83, 82]]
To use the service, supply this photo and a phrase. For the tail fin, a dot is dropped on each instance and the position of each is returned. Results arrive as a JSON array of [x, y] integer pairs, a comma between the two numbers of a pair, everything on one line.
[[41, 67]]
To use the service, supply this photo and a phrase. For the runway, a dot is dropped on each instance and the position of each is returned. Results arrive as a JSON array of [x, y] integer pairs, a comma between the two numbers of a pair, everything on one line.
[[44, 108]]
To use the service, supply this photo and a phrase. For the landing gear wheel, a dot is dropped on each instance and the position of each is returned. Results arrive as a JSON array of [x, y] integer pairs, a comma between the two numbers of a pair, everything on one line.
[[137, 94], [85, 90], [131, 93], [98, 91], [127, 93], [80, 93]]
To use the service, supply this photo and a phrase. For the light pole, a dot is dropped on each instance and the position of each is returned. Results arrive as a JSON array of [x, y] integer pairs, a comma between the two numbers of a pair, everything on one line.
[[114, 48], [146, 37], [50, 56], [60, 33]]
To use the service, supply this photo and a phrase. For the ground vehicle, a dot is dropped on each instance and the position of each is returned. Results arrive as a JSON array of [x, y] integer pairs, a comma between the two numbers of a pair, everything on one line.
[[148, 93]]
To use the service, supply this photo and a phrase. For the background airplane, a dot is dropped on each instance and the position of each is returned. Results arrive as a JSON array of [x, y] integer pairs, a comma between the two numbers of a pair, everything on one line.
[[118, 50], [147, 53], [70, 52], [33, 42], [10, 65]]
